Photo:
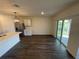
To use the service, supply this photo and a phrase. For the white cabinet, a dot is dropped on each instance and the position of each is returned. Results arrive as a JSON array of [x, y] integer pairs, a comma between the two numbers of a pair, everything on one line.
[[28, 31], [27, 22]]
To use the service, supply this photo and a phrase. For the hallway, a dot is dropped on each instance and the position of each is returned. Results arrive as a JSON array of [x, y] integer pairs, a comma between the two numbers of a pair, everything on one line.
[[38, 47]]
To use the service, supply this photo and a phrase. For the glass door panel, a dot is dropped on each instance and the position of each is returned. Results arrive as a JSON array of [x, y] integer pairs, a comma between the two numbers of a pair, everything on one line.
[[65, 33], [59, 29]]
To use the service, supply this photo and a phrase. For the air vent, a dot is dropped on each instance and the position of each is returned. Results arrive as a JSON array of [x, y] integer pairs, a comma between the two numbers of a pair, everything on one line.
[[16, 5]]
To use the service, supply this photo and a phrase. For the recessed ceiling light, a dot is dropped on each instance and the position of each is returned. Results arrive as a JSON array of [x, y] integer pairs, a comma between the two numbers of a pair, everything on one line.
[[42, 13]]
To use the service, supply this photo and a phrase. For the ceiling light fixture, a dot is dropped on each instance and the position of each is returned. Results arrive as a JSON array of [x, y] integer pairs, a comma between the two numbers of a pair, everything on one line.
[[42, 13]]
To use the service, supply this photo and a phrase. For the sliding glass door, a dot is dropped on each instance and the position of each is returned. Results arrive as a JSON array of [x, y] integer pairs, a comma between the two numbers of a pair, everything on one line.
[[65, 32], [62, 33], [59, 29]]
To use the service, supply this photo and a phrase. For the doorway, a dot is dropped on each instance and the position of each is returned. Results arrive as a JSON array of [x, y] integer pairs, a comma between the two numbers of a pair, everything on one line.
[[63, 29]]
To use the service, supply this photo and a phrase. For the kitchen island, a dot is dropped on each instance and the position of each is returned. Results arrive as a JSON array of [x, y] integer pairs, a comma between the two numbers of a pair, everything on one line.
[[8, 41]]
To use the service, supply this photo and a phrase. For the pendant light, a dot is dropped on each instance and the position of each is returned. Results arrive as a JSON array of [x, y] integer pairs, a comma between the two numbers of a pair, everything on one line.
[[15, 18]]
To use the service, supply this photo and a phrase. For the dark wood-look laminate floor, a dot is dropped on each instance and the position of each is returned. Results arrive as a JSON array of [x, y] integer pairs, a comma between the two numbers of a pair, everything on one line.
[[38, 47]]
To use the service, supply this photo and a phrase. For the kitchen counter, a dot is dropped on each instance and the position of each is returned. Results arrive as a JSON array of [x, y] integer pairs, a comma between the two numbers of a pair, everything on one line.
[[8, 35]]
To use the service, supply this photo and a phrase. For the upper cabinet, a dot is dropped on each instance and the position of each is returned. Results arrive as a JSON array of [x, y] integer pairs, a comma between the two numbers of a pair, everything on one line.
[[27, 22]]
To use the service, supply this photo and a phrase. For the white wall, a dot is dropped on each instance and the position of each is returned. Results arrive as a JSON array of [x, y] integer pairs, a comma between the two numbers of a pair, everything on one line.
[[73, 43], [0, 28], [6, 23], [41, 26], [74, 32], [70, 11], [77, 57]]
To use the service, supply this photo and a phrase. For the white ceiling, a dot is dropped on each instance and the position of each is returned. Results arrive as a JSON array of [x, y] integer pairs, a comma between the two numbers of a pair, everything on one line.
[[33, 7]]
